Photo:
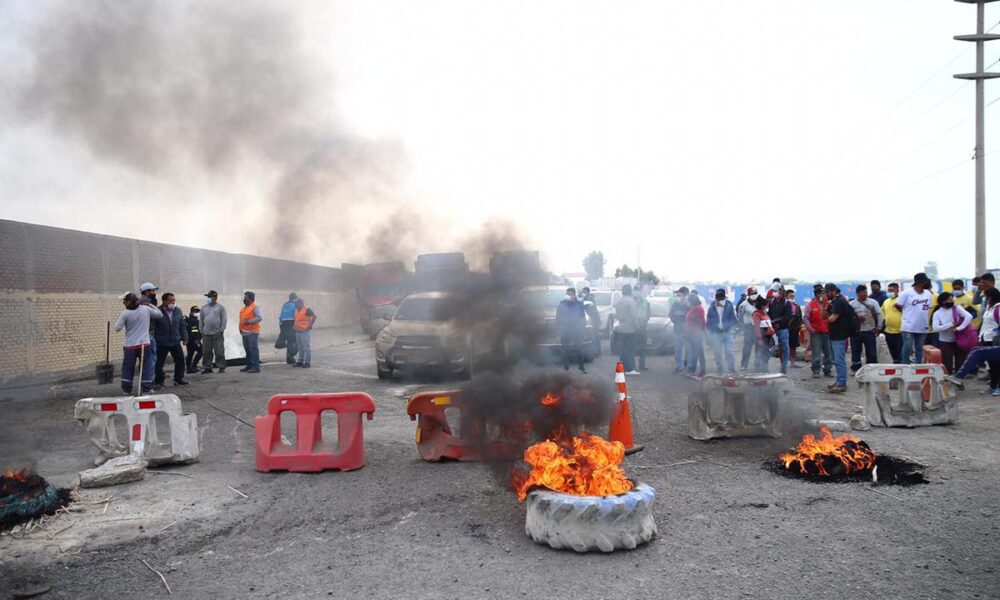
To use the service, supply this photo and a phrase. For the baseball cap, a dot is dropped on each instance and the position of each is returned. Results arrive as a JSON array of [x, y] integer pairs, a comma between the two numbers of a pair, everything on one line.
[[212, 294], [147, 287], [921, 278], [751, 290]]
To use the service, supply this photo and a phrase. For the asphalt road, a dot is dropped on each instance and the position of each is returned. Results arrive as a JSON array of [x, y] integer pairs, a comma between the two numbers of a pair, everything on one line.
[[403, 528]]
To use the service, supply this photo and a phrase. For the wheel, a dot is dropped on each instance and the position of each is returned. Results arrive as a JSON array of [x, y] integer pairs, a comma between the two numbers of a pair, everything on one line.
[[585, 523], [383, 373]]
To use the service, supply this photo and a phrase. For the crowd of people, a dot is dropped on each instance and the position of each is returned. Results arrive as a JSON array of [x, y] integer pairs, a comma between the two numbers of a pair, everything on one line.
[[157, 328], [961, 325]]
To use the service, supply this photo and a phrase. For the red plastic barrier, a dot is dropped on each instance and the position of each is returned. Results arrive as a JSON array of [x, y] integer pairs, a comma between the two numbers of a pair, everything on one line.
[[932, 355], [435, 439], [311, 453]]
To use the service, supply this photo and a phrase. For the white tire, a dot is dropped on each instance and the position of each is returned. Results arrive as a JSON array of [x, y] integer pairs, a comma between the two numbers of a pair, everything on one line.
[[588, 523]]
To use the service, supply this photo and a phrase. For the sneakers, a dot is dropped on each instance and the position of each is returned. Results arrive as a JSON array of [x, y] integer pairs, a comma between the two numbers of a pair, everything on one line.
[[632, 372], [995, 392], [955, 381], [837, 389]]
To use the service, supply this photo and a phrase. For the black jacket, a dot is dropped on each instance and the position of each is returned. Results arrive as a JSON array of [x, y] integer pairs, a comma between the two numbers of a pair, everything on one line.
[[170, 330], [193, 327], [780, 312]]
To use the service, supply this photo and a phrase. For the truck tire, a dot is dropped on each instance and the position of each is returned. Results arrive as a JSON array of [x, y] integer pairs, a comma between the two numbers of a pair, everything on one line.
[[588, 523], [383, 373]]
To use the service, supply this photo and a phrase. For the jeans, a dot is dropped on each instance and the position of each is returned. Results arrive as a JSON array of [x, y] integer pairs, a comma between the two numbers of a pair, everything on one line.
[[839, 349], [866, 340], [161, 359], [722, 344], [570, 350], [680, 348], [821, 352], [193, 354], [251, 344], [128, 368], [913, 342], [304, 341], [762, 356], [749, 343], [626, 350], [977, 356], [895, 343], [640, 347], [215, 350], [696, 353], [782, 339], [287, 334]]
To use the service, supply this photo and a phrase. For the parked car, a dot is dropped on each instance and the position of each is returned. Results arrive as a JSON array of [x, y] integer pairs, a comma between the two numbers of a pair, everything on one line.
[[605, 301], [541, 343], [659, 330]]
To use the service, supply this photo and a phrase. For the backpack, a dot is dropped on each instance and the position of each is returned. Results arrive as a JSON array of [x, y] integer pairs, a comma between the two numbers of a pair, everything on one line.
[[853, 322]]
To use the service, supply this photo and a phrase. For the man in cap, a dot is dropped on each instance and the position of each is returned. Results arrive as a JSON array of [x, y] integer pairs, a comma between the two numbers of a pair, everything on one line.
[[213, 320], [147, 296], [721, 321], [678, 314], [305, 318], [286, 324], [815, 320], [841, 319], [915, 304], [781, 312], [571, 321], [250, 318], [745, 313]]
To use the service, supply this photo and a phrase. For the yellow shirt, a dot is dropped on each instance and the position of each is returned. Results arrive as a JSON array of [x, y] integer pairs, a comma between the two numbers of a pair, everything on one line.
[[893, 317]]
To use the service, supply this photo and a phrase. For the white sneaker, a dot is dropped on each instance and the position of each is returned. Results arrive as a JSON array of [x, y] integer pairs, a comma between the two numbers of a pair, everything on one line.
[[632, 373]]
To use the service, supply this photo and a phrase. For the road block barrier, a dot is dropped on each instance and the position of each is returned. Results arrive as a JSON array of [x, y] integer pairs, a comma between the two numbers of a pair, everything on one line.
[[620, 427], [139, 414], [436, 437], [907, 395], [311, 453], [728, 406]]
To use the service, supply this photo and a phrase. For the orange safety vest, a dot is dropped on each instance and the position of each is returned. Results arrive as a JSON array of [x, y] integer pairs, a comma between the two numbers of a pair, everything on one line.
[[246, 313], [302, 320]]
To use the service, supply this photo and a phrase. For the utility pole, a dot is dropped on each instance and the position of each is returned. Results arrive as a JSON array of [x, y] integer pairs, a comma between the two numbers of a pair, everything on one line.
[[980, 38]]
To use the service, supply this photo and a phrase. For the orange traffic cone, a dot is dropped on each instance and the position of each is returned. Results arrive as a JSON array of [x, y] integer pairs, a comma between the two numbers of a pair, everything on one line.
[[620, 429]]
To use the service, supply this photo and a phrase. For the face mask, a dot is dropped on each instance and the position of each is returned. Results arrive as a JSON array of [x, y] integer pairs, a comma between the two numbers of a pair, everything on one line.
[[171, 306], [892, 294], [211, 300], [570, 298], [949, 304], [959, 293], [753, 297]]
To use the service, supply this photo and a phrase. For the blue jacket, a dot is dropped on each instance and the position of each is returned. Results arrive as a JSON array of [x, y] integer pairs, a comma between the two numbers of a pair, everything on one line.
[[571, 317], [287, 311], [171, 329], [728, 317]]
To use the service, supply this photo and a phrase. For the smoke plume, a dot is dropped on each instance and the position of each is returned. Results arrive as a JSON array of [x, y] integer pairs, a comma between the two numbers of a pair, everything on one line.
[[221, 92]]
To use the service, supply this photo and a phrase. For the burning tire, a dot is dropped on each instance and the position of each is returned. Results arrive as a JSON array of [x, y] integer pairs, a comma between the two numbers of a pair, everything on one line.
[[587, 523]]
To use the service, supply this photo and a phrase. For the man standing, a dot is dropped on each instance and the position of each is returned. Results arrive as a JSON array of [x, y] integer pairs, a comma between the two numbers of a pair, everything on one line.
[[876, 292], [915, 304], [193, 328], [571, 321], [147, 296], [169, 333], [678, 314], [286, 324], [721, 320], [870, 318], [892, 321], [780, 312], [815, 320], [213, 320], [643, 314], [745, 313], [627, 317], [958, 293], [135, 319], [590, 306], [841, 317], [794, 328], [250, 319], [305, 318]]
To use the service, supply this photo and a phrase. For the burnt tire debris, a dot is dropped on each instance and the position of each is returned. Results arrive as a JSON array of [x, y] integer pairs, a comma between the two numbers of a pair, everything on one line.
[[889, 470]]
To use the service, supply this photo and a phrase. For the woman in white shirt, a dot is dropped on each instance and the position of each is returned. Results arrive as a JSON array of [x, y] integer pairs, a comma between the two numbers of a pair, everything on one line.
[[949, 318]]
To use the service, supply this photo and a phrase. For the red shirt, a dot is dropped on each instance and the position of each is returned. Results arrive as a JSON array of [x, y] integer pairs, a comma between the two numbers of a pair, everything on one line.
[[814, 313], [695, 321]]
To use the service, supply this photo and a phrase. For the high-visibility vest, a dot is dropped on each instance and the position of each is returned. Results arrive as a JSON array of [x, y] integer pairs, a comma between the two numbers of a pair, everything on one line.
[[302, 320], [246, 313]]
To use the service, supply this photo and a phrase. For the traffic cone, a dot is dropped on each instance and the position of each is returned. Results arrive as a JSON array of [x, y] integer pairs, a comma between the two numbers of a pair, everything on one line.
[[620, 429]]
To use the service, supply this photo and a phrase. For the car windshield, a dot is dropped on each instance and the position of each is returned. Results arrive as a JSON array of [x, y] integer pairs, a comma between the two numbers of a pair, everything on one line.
[[542, 298], [659, 309], [428, 309]]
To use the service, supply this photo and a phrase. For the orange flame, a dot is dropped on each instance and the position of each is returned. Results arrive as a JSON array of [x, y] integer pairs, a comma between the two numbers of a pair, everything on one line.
[[550, 399], [844, 454], [17, 474], [585, 465]]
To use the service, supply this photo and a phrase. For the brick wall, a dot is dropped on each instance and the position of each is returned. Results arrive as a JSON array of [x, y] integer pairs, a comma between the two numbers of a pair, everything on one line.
[[59, 288]]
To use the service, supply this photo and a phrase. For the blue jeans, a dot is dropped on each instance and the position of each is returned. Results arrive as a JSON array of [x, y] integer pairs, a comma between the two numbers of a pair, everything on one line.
[[722, 344], [977, 356], [130, 355], [749, 343], [680, 347], [762, 355], [782, 337], [252, 348], [821, 352], [839, 348], [303, 339], [913, 342], [696, 353]]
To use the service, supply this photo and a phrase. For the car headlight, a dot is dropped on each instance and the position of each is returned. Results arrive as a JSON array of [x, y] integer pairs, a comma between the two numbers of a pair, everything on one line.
[[385, 337]]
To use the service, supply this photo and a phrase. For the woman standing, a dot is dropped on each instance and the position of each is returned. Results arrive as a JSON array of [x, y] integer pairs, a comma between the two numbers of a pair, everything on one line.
[[764, 333], [694, 325], [948, 319]]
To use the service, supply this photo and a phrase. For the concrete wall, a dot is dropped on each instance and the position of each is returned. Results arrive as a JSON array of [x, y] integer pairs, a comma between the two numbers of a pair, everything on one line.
[[59, 288]]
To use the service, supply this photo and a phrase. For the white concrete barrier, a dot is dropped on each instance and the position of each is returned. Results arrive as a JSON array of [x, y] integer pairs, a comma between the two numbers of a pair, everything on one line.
[[907, 395], [728, 406], [143, 438]]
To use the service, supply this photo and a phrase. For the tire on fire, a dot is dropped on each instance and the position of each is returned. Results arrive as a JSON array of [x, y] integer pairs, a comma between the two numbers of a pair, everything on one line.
[[588, 523]]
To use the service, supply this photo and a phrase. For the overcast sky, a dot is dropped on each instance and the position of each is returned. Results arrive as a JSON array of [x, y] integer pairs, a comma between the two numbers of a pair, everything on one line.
[[719, 140]]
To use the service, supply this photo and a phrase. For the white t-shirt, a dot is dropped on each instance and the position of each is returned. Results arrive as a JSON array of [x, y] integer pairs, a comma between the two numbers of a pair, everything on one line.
[[944, 320], [916, 307]]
